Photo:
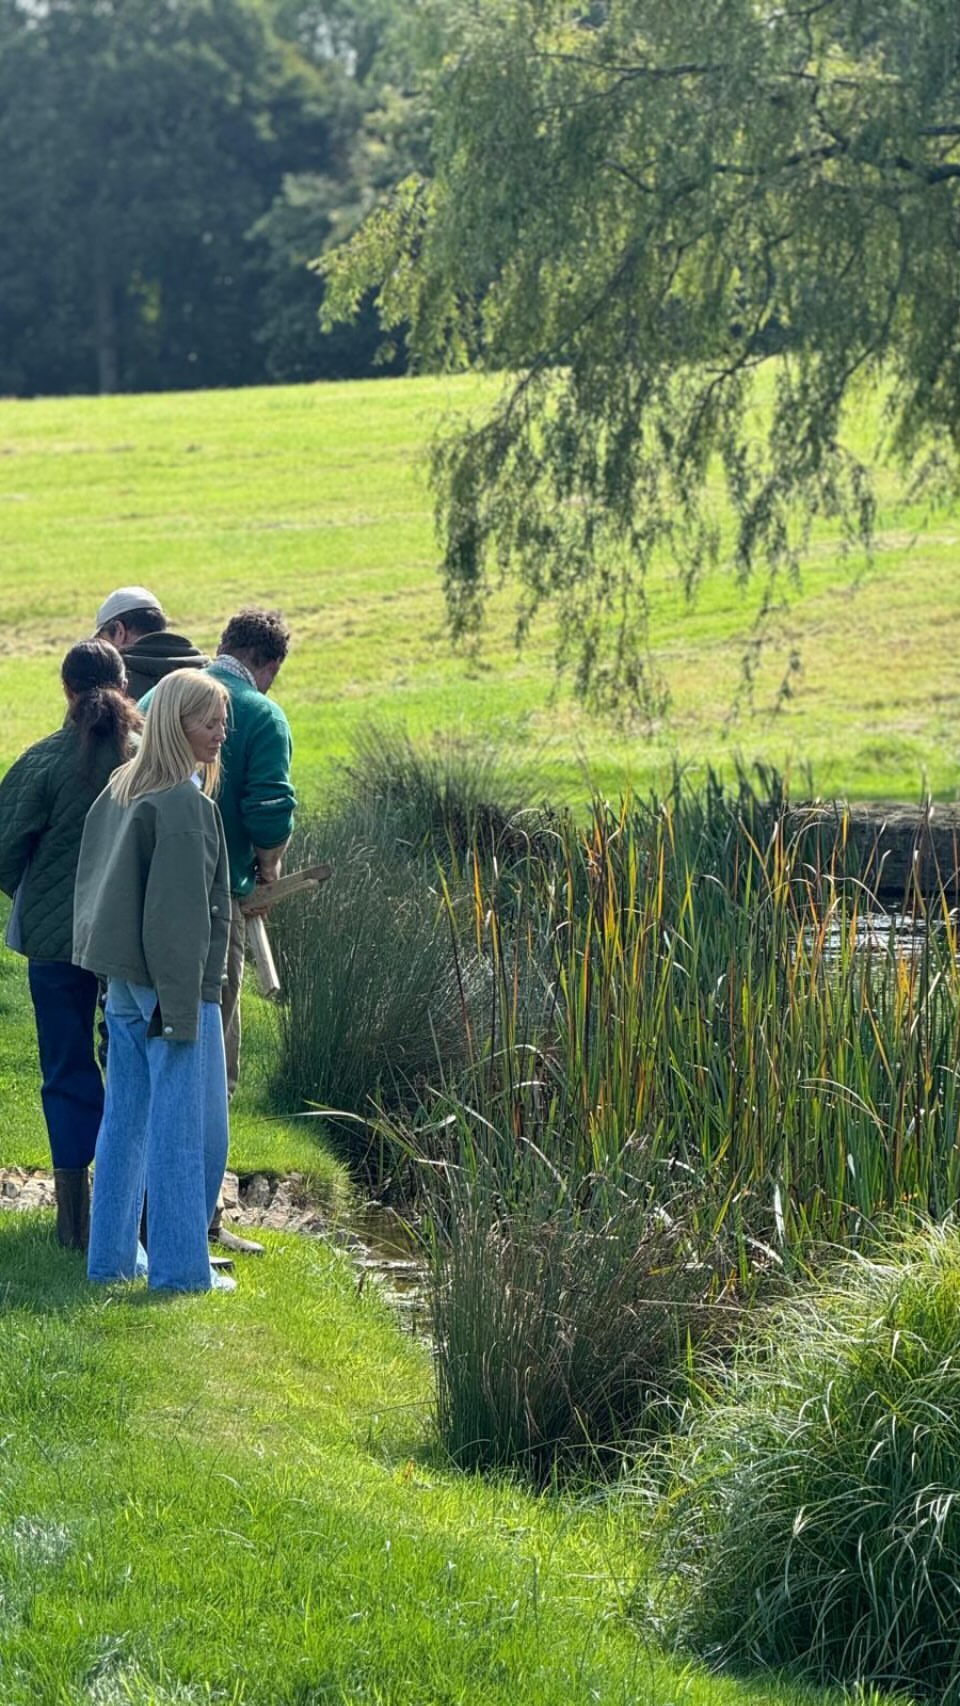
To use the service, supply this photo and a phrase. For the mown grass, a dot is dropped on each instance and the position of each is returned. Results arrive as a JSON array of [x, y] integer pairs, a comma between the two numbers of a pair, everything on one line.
[[313, 498], [235, 1499]]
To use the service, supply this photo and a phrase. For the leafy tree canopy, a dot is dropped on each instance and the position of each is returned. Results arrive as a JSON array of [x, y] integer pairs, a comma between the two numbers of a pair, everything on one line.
[[167, 170], [632, 208]]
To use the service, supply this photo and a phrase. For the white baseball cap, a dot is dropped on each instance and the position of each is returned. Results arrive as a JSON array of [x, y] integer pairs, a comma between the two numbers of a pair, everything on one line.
[[121, 602]]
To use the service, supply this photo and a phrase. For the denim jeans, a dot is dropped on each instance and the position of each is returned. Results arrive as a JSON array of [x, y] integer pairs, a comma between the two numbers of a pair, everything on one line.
[[165, 1130], [64, 1002]]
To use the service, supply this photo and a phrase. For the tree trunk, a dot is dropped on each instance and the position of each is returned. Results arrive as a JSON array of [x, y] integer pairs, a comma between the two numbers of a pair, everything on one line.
[[105, 325]]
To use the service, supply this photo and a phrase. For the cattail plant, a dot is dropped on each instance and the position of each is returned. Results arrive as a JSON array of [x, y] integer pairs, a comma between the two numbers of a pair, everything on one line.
[[692, 1019]]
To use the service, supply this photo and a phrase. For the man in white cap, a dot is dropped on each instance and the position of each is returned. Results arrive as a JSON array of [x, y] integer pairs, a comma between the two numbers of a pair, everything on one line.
[[132, 619]]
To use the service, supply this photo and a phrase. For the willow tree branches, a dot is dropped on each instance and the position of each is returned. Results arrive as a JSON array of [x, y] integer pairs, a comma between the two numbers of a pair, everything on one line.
[[630, 214]]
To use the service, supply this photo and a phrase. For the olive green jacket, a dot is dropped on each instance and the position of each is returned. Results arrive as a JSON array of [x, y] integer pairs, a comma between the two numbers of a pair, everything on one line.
[[44, 798], [152, 901]]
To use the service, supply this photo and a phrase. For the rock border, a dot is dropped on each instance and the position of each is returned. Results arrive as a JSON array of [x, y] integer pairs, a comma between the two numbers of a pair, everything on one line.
[[252, 1199]]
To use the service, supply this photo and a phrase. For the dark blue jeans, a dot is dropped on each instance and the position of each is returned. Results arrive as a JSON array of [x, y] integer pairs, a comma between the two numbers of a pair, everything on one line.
[[65, 1004]]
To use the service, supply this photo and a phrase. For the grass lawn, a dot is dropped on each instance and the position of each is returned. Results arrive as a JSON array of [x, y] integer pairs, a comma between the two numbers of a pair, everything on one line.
[[312, 498], [234, 1499]]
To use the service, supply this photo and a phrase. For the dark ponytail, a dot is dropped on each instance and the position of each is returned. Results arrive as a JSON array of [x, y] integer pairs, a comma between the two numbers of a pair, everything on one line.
[[101, 711]]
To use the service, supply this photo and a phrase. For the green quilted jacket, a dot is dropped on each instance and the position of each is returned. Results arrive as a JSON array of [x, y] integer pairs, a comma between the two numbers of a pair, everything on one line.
[[44, 798]]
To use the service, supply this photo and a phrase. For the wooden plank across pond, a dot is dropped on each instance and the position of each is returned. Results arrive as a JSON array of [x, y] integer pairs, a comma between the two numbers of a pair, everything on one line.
[[899, 852]]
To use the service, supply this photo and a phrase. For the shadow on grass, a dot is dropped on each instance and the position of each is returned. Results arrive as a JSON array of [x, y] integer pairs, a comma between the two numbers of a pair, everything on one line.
[[37, 1275]]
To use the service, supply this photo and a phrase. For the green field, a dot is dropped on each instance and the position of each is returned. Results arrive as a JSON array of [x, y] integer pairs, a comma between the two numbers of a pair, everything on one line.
[[313, 498]]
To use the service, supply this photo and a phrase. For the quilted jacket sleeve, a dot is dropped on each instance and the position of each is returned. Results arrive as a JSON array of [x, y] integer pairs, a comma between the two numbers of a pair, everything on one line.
[[24, 815]]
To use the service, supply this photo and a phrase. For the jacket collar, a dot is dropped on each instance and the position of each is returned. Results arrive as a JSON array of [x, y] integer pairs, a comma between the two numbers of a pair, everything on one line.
[[233, 666]]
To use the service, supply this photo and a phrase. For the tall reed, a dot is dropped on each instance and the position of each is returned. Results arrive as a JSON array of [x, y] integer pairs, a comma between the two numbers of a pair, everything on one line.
[[690, 1013], [750, 1019]]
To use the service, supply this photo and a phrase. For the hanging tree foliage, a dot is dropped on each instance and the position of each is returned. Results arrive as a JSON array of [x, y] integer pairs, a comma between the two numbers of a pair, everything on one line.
[[635, 207]]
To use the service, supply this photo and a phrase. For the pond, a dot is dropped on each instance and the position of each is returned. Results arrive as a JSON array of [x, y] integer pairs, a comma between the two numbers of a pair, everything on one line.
[[386, 1249]]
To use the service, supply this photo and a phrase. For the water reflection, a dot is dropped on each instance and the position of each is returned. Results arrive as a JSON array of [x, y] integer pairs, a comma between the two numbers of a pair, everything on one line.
[[897, 934]]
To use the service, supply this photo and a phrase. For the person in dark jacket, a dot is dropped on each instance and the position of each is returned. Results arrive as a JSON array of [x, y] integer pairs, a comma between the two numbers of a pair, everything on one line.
[[44, 799], [132, 619]]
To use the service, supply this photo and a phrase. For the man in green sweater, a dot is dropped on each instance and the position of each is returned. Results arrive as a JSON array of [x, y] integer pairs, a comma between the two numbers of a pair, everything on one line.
[[256, 801]]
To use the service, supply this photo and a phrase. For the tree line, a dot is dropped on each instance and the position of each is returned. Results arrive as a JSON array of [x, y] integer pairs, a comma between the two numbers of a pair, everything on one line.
[[169, 169]]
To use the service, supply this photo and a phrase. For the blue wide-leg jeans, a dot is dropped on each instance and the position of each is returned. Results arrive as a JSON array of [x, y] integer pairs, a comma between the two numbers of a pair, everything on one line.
[[165, 1130]]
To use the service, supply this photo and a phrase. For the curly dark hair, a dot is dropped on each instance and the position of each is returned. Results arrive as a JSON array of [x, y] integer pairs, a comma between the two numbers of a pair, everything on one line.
[[93, 670], [260, 635]]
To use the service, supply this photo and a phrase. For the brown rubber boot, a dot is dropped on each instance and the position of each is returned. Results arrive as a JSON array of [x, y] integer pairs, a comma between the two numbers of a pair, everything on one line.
[[72, 1187], [226, 1240]]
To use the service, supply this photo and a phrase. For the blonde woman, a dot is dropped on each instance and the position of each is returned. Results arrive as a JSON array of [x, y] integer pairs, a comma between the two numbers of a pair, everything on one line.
[[152, 915]]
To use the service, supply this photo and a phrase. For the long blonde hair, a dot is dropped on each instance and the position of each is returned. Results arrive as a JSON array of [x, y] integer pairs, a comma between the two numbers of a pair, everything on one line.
[[165, 756]]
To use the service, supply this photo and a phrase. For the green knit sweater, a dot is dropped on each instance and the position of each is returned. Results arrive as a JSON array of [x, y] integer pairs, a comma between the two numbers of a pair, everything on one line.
[[256, 797]]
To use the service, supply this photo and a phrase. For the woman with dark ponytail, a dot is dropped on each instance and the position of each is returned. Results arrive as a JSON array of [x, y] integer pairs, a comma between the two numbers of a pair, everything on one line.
[[44, 799]]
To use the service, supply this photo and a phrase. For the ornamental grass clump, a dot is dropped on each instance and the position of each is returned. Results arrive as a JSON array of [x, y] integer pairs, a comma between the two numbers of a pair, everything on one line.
[[565, 1304], [372, 997], [811, 1512], [455, 799], [377, 1004]]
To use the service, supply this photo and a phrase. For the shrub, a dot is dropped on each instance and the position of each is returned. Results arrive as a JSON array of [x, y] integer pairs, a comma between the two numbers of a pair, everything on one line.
[[812, 1514]]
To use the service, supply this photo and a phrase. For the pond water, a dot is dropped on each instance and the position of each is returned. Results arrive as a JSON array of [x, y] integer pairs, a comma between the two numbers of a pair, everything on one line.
[[386, 1250], [907, 934]]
